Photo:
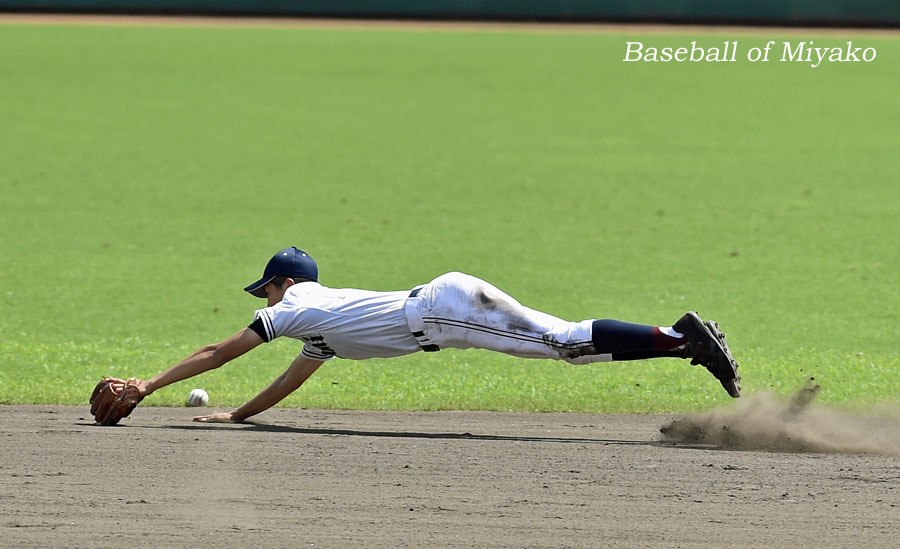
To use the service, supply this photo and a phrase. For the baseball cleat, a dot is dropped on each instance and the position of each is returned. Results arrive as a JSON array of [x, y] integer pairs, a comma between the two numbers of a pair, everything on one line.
[[706, 345]]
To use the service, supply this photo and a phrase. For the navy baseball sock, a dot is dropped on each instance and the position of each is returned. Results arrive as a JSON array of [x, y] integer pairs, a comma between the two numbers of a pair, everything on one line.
[[627, 341], [643, 355]]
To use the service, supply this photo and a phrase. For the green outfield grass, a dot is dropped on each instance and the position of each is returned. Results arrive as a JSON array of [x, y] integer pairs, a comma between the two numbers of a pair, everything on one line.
[[147, 174]]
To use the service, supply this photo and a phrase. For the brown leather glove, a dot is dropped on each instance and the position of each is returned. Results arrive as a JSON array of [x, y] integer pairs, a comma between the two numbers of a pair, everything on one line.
[[114, 398]]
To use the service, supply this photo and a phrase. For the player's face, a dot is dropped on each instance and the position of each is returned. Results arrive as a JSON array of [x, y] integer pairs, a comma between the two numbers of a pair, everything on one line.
[[275, 293]]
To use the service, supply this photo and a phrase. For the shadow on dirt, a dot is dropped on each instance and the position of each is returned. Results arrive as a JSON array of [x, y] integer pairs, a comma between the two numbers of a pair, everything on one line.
[[265, 428]]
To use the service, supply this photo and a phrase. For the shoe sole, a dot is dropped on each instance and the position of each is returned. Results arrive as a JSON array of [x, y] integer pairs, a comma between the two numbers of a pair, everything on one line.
[[734, 383], [730, 379]]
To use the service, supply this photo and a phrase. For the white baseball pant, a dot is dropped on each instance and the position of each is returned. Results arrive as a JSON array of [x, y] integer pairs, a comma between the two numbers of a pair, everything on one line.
[[460, 311]]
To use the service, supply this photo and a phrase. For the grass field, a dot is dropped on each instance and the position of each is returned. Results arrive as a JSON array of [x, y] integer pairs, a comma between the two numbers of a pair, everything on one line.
[[147, 174]]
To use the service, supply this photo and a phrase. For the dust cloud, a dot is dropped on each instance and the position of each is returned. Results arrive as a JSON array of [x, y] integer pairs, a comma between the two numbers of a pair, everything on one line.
[[765, 422]]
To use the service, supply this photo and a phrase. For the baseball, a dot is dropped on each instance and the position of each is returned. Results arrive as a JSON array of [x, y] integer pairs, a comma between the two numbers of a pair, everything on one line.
[[198, 397]]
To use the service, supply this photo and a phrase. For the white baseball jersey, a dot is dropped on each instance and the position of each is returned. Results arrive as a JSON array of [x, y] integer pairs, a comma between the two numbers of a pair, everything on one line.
[[342, 322], [454, 310]]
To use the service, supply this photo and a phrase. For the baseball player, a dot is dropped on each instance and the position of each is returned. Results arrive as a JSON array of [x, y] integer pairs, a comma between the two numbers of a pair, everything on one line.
[[454, 310]]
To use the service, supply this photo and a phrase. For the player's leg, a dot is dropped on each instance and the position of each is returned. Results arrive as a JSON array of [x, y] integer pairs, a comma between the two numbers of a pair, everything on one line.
[[691, 337], [461, 311], [629, 341], [464, 311]]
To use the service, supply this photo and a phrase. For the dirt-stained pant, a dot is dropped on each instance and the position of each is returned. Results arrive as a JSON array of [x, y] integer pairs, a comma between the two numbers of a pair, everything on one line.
[[456, 310]]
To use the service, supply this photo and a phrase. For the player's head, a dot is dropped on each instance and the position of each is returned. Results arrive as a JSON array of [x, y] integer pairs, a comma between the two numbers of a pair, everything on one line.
[[289, 263]]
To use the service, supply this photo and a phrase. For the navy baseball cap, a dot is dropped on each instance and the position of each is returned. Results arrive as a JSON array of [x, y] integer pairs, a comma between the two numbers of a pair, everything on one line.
[[289, 262]]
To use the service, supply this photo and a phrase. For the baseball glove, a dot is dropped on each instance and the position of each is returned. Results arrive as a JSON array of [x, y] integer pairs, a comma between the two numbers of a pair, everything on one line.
[[114, 399]]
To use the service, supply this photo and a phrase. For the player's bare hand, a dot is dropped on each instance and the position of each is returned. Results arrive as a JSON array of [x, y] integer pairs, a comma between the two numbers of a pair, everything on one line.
[[221, 417]]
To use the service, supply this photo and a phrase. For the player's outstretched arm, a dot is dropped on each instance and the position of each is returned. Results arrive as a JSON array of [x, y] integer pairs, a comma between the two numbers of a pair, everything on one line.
[[288, 382], [208, 358], [114, 399]]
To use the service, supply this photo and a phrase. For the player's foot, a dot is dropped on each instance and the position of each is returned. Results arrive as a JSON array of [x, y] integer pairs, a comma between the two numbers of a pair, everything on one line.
[[706, 345]]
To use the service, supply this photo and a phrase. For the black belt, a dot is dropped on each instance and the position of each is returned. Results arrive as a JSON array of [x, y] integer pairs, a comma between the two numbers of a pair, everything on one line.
[[427, 347]]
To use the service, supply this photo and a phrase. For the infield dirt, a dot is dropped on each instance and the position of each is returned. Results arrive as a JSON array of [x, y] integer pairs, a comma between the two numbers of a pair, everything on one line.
[[312, 478]]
